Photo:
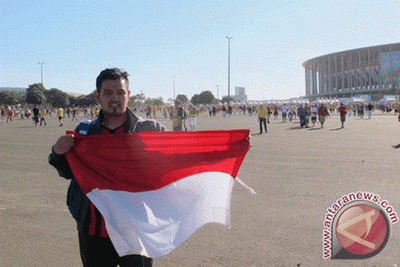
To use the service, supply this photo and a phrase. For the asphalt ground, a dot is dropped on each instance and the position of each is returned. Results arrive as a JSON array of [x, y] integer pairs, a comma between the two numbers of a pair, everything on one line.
[[297, 173]]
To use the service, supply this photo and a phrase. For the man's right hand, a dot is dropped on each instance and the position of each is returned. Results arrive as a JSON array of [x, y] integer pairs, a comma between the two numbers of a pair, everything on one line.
[[64, 144]]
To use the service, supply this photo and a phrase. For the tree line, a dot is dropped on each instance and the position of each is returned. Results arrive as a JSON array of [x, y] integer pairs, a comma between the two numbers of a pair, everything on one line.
[[37, 94]]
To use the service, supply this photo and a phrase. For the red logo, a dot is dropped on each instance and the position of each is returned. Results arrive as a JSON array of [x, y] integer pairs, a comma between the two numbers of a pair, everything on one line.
[[362, 230]]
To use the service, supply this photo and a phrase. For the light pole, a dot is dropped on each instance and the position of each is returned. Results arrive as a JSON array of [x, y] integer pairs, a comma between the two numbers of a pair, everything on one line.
[[217, 91], [229, 70], [173, 85], [41, 71]]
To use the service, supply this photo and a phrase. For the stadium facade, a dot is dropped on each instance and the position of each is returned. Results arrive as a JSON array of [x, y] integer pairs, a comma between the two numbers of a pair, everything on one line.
[[372, 71]]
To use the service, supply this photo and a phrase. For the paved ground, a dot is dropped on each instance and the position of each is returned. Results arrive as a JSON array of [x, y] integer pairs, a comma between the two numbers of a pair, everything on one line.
[[297, 173]]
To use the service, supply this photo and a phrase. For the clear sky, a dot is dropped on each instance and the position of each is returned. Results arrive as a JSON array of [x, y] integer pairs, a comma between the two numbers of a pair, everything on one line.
[[156, 40]]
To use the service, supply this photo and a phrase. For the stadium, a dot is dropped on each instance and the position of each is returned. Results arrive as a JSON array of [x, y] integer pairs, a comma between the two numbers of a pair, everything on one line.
[[371, 73]]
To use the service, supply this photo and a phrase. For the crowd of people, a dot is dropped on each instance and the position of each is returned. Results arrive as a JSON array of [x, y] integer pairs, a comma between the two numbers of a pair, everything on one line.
[[308, 114], [39, 114]]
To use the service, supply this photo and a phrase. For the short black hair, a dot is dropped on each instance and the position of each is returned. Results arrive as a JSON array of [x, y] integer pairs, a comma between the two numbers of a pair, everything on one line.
[[111, 74]]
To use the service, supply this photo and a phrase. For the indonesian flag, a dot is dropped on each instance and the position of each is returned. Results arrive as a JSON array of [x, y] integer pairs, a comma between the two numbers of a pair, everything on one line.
[[155, 189]]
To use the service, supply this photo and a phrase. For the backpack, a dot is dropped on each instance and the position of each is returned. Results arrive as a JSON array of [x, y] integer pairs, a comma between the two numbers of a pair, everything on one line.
[[182, 113]]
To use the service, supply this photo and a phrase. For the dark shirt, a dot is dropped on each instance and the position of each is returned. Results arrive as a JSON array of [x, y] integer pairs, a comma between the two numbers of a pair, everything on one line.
[[35, 112], [301, 111]]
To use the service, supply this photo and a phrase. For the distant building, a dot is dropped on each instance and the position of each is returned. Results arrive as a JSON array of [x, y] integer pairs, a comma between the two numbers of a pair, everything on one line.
[[240, 94], [372, 71]]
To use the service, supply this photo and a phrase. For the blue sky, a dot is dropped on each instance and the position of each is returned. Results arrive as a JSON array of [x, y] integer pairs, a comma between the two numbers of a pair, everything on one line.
[[155, 40]]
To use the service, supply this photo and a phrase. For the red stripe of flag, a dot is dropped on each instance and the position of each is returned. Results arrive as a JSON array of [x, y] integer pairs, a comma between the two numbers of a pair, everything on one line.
[[147, 161]]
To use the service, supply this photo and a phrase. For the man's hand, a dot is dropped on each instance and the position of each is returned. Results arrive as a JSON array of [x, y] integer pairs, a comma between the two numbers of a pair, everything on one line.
[[249, 139], [64, 144]]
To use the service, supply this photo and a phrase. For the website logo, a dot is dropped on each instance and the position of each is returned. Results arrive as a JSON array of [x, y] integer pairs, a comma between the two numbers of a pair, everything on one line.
[[357, 226]]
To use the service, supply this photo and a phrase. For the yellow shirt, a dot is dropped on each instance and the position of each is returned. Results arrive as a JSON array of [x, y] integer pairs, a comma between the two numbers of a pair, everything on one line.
[[176, 119], [42, 113], [192, 112], [60, 112], [262, 112]]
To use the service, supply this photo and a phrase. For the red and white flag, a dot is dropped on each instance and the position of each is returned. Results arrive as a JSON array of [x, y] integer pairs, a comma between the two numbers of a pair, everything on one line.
[[155, 189]]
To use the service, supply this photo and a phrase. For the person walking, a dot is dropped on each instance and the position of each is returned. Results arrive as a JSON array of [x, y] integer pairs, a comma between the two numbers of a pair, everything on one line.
[[342, 112], [42, 116], [369, 107], [60, 115], [322, 113], [284, 109], [35, 118], [192, 117], [3, 113], [177, 116], [313, 114], [112, 93], [74, 113], [10, 114], [362, 110], [262, 118], [301, 111], [308, 114]]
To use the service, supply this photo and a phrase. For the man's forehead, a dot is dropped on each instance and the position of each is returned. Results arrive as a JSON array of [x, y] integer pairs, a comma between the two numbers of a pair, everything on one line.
[[110, 84]]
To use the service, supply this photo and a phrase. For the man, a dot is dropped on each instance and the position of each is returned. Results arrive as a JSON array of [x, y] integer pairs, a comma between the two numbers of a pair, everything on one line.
[[362, 111], [301, 111], [322, 113], [192, 117], [60, 115], [308, 113], [112, 93], [290, 112], [177, 116], [370, 107], [35, 117], [284, 109], [42, 116], [262, 117], [74, 113], [342, 112], [313, 114]]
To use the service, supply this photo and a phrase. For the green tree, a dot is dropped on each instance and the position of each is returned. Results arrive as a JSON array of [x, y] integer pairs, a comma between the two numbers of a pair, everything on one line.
[[154, 102], [10, 98], [149, 102], [195, 100], [182, 98], [137, 100], [56, 97], [225, 99], [205, 97], [86, 100], [72, 100], [35, 94], [159, 102]]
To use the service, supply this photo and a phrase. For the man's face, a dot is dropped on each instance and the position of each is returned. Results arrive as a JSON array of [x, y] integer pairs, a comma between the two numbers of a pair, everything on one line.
[[113, 97]]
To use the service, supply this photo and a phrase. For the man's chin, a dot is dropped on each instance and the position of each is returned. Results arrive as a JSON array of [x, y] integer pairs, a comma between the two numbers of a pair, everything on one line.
[[114, 112]]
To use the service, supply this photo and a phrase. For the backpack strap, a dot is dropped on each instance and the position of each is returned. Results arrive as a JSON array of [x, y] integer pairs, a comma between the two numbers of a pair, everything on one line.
[[83, 127]]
